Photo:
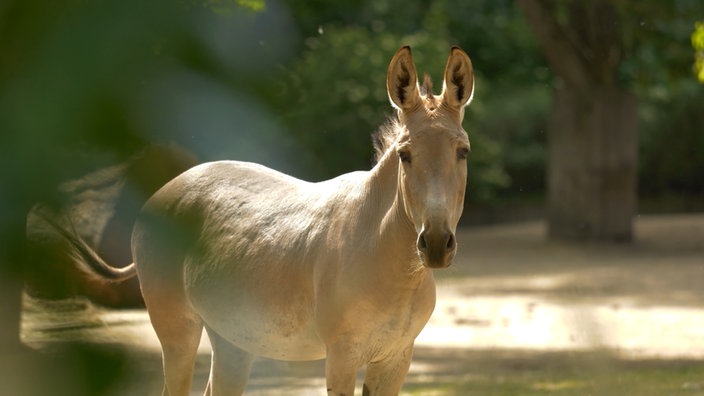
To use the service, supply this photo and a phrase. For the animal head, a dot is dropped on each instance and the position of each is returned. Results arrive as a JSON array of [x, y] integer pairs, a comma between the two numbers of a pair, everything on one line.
[[432, 149]]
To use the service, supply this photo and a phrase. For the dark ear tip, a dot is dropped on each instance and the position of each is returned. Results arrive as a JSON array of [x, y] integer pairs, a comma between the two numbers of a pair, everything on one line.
[[403, 53], [405, 48], [456, 50]]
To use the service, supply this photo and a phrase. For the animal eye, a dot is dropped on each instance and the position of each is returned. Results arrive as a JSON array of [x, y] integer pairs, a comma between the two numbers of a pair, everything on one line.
[[405, 156], [462, 153]]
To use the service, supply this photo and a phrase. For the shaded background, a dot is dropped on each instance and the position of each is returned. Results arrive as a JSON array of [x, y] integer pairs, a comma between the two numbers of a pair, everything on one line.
[[299, 86]]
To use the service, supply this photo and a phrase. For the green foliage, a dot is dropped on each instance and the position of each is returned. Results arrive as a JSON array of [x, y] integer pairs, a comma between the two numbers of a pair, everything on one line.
[[672, 159], [517, 127], [335, 95], [698, 45], [656, 38], [497, 37], [507, 120], [660, 65], [312, 73], [84, 84], [228, 7]]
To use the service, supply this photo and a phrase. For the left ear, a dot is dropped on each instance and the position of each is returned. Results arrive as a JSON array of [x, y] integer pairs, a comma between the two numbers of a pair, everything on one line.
[[458, 87], [402, 81]]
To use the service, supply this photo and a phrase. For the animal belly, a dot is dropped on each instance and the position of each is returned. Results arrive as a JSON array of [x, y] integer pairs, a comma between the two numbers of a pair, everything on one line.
[[269, 337], [275, 328]]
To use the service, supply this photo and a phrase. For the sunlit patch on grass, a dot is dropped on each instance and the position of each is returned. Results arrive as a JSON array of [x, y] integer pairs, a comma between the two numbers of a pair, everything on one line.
[[558, 385]]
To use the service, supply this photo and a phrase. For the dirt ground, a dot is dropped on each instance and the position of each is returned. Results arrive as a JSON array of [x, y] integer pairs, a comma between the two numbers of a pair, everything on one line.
[[516, 314]]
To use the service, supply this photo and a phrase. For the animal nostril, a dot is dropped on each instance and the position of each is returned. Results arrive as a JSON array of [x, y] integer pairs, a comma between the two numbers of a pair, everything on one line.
[[422, 244], [450, 242]]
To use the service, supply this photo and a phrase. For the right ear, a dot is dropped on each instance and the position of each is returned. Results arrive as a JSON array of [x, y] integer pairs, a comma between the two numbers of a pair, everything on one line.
[[402, 81], [458, 87]]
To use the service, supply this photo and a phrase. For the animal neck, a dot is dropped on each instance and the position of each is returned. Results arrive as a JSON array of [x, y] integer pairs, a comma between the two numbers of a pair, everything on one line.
[[397, 235]]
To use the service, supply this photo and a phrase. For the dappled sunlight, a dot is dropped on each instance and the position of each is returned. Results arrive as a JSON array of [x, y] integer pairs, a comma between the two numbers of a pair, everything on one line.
[[526, 322], [638, 300], [540, 307], [586, 113]]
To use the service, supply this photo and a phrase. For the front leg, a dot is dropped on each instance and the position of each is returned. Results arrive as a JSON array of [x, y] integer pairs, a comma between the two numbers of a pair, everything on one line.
[[340, 372], [385, 377]]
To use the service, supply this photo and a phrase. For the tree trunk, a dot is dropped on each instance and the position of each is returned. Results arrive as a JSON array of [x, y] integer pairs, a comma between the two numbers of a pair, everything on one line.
[[593, 130], [592, 165]]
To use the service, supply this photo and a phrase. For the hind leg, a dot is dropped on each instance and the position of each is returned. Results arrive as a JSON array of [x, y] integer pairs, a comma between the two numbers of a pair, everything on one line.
[[179, 346], [179, 330], [229, 369], [179, 356]]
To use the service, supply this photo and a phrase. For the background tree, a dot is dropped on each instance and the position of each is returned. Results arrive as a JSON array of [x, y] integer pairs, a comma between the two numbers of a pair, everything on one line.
[[329, 102], [596, 50], [593, 131]]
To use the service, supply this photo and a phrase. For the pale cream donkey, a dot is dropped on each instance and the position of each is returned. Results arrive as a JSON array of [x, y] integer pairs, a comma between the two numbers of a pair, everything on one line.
[[274, 266]]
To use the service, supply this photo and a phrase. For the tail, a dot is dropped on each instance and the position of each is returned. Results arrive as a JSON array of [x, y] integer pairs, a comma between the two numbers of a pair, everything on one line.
[[85, 256]]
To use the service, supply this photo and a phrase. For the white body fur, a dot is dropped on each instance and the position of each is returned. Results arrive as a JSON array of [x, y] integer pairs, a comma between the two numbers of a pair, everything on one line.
[[278, 267]]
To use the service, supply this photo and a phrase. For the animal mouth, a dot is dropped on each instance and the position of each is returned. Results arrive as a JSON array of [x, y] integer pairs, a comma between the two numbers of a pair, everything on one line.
[[436, 263]]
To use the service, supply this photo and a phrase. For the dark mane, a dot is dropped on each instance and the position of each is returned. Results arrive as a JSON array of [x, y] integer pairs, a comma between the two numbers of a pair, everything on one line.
[[385, 137], [427, 88]]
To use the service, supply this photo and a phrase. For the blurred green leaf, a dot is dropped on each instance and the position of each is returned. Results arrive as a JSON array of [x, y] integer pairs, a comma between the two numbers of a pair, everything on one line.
[[698, 45]]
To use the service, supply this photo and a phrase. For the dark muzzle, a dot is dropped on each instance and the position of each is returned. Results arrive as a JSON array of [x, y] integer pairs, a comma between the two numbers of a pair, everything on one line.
[[437, 249]]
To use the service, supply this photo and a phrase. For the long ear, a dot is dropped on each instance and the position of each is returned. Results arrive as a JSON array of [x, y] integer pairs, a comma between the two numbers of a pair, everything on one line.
[[458, 86], [402, 81]]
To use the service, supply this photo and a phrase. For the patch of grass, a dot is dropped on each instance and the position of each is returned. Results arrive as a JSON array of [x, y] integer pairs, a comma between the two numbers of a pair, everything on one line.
[[573, 374]]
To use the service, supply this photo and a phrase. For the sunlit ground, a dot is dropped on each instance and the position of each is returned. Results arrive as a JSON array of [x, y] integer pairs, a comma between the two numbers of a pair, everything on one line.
[[516, 315]]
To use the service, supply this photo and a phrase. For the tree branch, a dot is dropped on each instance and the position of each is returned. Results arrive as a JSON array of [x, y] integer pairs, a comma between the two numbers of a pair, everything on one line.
[[562, 54]]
